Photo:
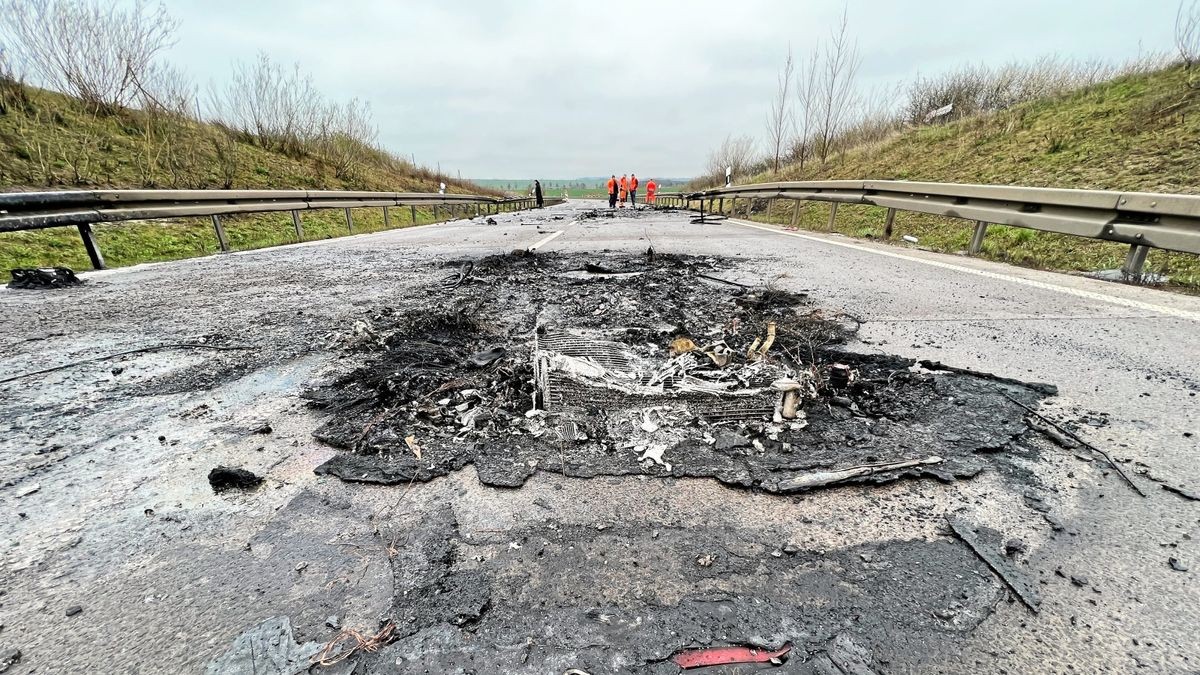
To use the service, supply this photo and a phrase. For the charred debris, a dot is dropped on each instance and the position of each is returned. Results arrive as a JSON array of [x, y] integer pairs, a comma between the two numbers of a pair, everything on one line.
[[664, 365]]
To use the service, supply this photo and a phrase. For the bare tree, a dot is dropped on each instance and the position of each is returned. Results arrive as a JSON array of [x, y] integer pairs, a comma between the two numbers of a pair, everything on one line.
[[779, 118], [1187, 32], [835, 87], [805, 118], [92, 49]]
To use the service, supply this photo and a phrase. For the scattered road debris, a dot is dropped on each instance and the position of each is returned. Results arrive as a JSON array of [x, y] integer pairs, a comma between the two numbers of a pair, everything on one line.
[[1182, 492], [29, 489], [411, 442], [1177, 564], [1014, 546], [487, 357], [185, 345], [266, 649], [74, 609], [348, 642], [1116, 467], [823, 478], [224, 478], [9, 658], [30, 278], [970, 535], [717, 656]]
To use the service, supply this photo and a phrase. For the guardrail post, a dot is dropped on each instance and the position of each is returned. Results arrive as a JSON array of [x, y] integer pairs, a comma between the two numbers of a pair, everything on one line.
[[888, 222], [222, 240], [476, 209], [733, 208], [413, 211], [832, 215], [387, 217], [90, 245], [770, 207], [795, 213], [435, 213], [297, 225], [349, 221], [1135, 260], [977, 237]]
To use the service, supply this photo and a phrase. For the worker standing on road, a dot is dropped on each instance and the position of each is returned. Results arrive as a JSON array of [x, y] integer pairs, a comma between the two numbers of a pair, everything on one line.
[[537, 193], [612, 192], [650, 189], [633, 184], [624, 189]]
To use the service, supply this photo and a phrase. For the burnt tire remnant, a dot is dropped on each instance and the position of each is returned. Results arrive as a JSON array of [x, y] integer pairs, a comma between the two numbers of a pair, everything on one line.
[[590, 365]]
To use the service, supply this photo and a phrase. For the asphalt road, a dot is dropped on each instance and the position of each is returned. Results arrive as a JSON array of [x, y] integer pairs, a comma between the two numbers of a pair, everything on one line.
[[123, 523]]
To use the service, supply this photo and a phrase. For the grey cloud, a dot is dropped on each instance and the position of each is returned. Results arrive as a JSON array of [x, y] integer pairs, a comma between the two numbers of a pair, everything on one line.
[[553, 89]]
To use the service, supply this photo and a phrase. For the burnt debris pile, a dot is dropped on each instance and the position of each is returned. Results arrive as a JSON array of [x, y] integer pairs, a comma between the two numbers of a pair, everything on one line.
[[43, 277], [655, 364]]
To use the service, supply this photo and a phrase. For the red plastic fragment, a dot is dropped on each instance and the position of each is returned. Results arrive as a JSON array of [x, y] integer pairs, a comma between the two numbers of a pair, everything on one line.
[[716, 656]]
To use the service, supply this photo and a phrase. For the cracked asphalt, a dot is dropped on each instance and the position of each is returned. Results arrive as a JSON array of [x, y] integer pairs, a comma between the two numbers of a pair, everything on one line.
[[106, 505]]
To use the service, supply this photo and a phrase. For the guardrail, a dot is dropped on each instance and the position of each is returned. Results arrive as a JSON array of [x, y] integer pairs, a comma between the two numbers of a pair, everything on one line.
[[84, 208], [1144, 220]]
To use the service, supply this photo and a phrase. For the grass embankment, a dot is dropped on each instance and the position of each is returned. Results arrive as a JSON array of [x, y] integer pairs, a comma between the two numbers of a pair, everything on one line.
[[1136, 133], [49, 141]]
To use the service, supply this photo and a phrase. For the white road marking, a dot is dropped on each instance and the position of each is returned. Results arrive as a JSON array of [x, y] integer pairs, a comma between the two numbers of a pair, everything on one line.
[[551, 237], [1077, 292]]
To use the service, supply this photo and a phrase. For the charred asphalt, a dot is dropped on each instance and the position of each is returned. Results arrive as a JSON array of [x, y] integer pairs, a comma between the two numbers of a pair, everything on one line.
[[585, 459]]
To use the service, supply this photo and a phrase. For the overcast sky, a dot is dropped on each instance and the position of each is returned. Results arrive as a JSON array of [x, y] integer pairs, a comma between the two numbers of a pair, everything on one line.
[[553, 89]]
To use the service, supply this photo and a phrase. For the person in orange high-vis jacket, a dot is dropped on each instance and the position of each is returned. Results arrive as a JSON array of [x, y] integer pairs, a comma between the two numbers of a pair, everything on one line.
[[633, 186], [624, 189], [650, 190], [612, 192]]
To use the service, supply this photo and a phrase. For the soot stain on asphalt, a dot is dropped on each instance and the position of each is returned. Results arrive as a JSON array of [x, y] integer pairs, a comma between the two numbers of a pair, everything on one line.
[[655, 364], [554, 596]]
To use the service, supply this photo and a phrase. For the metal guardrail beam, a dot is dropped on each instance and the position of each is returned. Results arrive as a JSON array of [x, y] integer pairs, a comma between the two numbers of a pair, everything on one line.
[[1140, 219], [84, 208]]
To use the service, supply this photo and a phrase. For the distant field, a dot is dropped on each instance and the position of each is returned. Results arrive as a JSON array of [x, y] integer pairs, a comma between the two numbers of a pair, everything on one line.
[[575, 187]]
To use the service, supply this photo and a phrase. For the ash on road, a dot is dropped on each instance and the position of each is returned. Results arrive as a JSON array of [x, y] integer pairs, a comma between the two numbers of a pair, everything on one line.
[[649, 438]]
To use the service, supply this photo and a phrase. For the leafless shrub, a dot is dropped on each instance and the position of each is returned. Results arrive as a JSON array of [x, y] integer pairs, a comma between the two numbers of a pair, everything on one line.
[[875, 118], [972, 90], [13, 93], [225, 147], [779, 117], [91, 49], [736, 153], [167, 90], [346, 137], [279, 107], [1187, 32]]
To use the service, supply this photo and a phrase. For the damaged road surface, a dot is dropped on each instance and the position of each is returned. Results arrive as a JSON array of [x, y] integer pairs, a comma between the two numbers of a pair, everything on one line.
[[654, 446], [653, 365]]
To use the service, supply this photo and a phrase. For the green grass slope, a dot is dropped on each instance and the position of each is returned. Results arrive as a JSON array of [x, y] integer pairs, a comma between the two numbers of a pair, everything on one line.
[[49, 141], [1137, 133]]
